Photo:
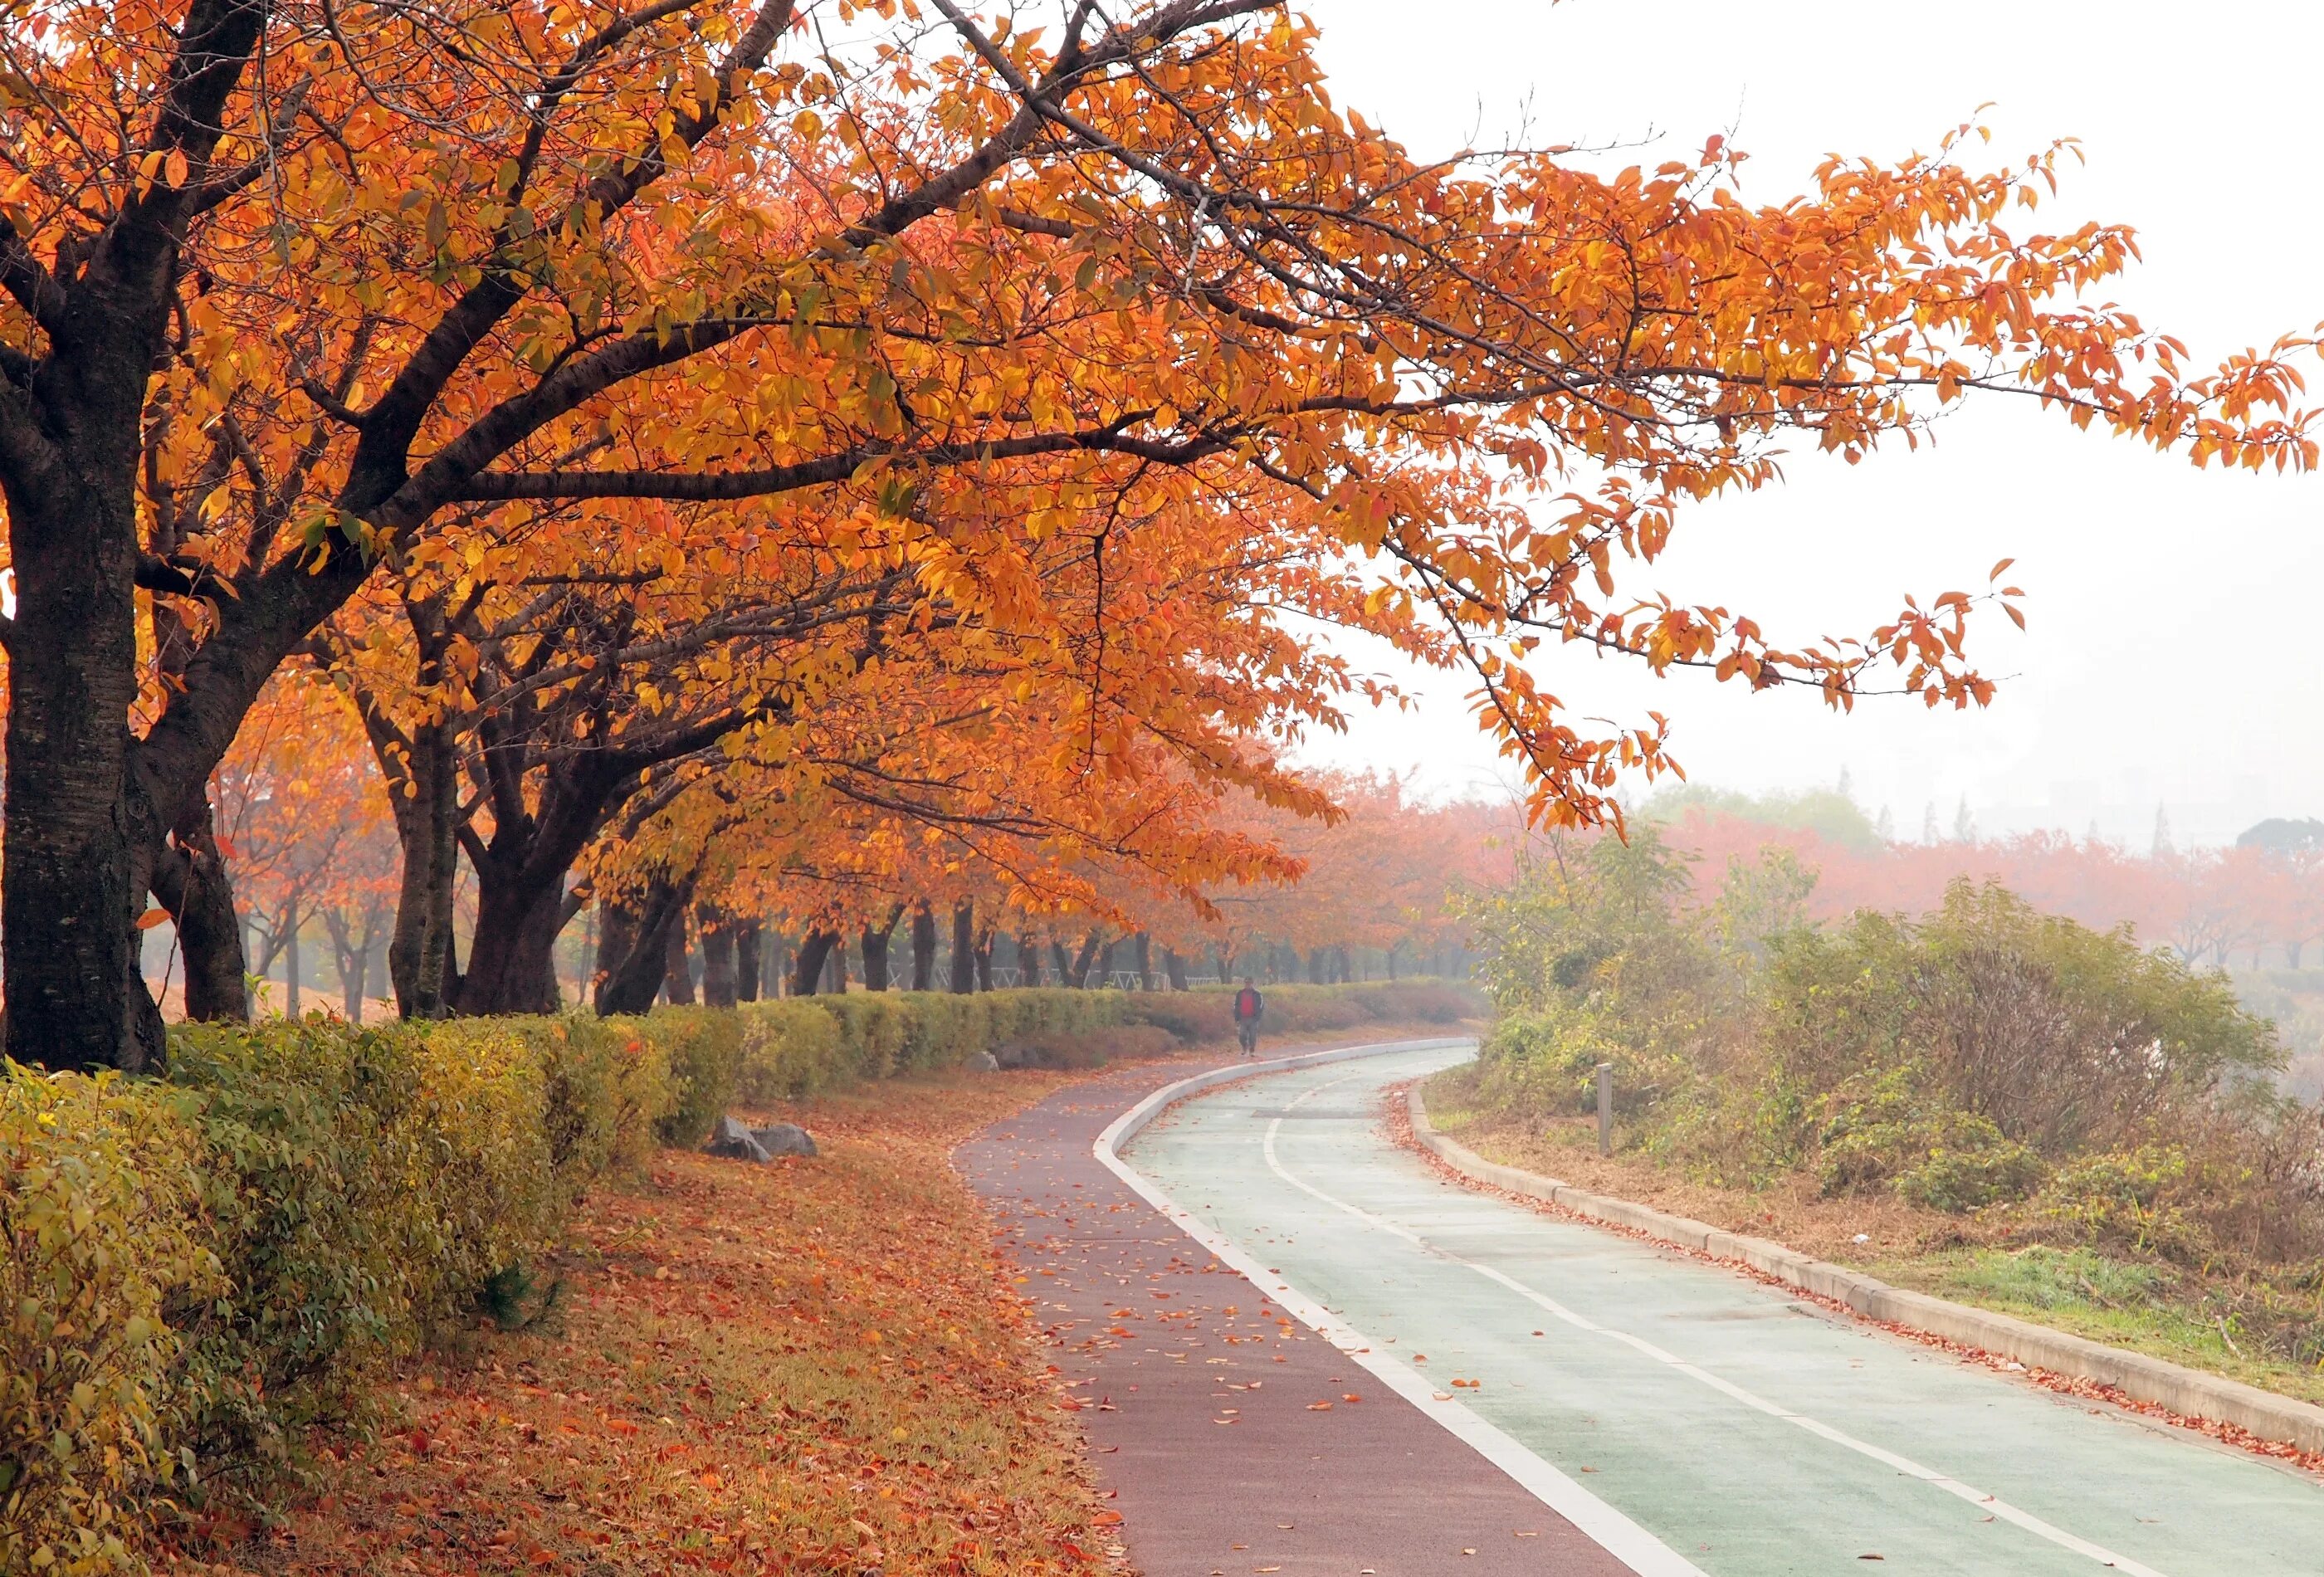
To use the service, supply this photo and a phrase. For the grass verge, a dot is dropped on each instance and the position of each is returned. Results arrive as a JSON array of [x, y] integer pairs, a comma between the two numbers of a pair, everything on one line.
[[2165, 1310]]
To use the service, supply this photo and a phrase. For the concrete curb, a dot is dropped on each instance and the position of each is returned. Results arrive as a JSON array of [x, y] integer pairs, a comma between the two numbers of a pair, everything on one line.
[[2188, 1392]]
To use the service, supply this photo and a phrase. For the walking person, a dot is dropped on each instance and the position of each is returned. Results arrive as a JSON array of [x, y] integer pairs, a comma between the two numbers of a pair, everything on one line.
[[1247, 1007]]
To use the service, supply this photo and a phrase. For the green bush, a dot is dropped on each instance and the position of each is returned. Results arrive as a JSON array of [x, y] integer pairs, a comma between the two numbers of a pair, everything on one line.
[[2136, 1199], [1885, 1130], [100, 1218], [200, 1270], [704, 1048]]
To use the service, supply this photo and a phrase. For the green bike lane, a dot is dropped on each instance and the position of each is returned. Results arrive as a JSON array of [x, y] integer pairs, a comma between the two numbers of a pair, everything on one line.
[[1741, 1430]]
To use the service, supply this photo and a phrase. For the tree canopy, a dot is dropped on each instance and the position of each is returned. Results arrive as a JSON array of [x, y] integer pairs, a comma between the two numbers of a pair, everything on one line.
[[616, 394]]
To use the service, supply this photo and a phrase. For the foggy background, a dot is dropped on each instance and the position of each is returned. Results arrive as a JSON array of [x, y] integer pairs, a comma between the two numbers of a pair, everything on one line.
[[2170, 659]]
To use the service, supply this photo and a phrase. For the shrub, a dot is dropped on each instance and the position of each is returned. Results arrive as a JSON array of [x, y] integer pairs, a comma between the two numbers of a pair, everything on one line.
[[704, 1048], [363, 1187], [196, 1271], [789, 1049], [2134, 1199], [99, 1219], [1888, 1130]]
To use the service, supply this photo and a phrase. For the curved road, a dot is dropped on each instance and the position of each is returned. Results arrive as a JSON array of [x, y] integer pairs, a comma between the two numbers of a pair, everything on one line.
[[1687, 1418]]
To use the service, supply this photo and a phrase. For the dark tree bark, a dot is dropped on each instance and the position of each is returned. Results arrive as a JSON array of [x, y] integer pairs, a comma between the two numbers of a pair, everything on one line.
[[875, 942], [1142, 950], [778, 967], [1173, 969], [924, 947], [746, 961], [633, 946], [351, 950], [835, 976], [423, 791], [81, 837], [677, 967], [1077, 973], [815, 949], [964, 946], [719, 987], [984, 960], [191, 881], [1028, 960]]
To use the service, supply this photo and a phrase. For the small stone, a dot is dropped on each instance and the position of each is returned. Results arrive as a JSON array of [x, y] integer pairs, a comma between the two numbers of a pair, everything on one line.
[[784, 1139], [735, 1142]]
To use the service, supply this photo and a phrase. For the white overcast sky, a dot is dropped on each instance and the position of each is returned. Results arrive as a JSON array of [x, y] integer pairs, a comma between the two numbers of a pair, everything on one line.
[[2171, 655]]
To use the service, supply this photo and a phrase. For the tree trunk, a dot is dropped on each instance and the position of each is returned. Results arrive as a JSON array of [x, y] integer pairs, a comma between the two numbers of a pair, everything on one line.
[[984, 960], [1173, 969], [1391, 958], [1078, 976], [192, 882], [746, 961], [1142, 950], [633, 948], [1028, 960], [836, 978], [719, 988], [678, 974], [875, 942], [512, 960], [924, 947], [425, 812], [291, 1004], [815, 947], [779, 966], [964, 946], [72, 890]]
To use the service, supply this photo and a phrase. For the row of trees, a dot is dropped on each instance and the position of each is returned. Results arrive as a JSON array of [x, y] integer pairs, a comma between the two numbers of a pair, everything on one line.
[[306, 834], [714, 442], [2256, 902]]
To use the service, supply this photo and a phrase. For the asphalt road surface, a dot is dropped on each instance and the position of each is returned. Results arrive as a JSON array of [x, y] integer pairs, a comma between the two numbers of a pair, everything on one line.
[[1235, 1438], [1653, 1409]]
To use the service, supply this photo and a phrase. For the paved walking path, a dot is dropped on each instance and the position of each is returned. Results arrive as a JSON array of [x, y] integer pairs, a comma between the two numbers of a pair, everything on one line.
[[1727, 1427], [1201, 1396]]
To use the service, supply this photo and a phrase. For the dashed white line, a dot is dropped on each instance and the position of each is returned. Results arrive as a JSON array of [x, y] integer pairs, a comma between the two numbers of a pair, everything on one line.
[[1991, 1505]]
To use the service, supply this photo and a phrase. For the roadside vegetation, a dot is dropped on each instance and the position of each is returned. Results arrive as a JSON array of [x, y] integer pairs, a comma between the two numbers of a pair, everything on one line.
[[213, 1286], [1984, 1101]]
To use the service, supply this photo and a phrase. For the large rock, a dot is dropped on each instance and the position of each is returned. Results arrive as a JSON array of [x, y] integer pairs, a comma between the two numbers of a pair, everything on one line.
[[731, 1140], [784, 1139], [983, 1063]]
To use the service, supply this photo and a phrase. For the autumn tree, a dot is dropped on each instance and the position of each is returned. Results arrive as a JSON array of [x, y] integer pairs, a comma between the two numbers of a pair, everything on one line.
[[290, 287]]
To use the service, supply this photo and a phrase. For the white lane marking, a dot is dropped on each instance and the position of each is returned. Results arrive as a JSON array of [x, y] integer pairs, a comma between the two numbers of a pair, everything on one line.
[[1990, 1504], [1616, 1533]]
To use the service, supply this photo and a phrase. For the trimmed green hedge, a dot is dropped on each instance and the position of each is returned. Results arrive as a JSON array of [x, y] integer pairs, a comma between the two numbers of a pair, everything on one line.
[[196, 1271]]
